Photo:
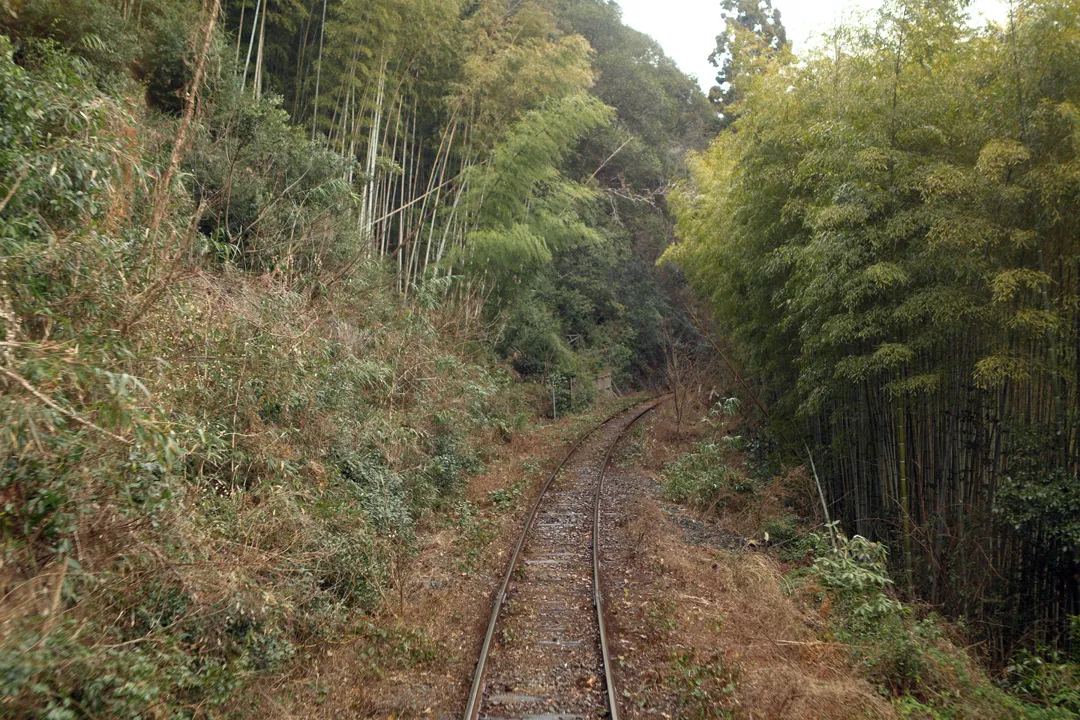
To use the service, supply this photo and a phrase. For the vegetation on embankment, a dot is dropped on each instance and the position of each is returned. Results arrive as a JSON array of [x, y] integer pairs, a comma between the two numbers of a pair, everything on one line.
[[886, 235], [269, 283], [773, 618], [418, 650]]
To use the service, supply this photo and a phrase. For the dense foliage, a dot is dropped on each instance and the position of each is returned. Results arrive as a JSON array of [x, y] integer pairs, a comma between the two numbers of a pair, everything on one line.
[[260, 266], [522, 149], [887, 234]]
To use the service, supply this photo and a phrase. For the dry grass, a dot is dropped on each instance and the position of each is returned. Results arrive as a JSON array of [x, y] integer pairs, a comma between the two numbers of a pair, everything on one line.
[[780, 497], [418, 659], [732, 605], [664, 441]]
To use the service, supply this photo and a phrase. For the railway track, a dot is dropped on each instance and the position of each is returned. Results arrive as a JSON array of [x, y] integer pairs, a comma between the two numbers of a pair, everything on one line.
[[545, 654]]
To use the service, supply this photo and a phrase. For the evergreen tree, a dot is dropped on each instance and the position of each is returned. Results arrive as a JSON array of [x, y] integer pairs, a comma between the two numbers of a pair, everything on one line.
[[753, 31]]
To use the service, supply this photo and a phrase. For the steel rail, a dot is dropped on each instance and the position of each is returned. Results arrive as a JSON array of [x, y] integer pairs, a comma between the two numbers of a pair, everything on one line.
[[472, 707], [598, 593]]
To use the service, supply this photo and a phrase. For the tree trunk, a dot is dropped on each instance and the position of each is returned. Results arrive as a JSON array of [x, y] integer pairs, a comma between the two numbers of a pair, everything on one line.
[[259, 56], [909, 574]]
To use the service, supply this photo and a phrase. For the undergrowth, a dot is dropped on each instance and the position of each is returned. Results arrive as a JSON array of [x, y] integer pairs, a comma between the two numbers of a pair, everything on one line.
[[911, 655], [711, 477], [217, 442], [704, 685]]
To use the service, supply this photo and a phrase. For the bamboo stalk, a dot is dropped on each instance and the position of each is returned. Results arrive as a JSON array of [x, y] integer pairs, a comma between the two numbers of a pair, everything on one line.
[[251, 44], [318, 71]]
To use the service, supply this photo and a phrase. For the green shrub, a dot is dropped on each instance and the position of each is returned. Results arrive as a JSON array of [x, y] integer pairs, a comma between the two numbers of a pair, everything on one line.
[[222, 438], [703, 477], [450, 462], [582, 397], [889, 648], [856, 572], [1047, 678], [532, 339], [379, 491], [783, 531], [59, 141], [166, 56], [262, 183], [57, 677], [88, 29]]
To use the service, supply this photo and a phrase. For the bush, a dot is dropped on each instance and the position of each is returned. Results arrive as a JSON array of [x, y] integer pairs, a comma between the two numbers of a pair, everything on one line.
[[60, 679], [890, 649], [704, 478], [89, 29], [379, 492], [532, 340], [264, 186], [1047, 678], [451, 461], [165, 61], [583, 395], [856, 573], [59, 140]]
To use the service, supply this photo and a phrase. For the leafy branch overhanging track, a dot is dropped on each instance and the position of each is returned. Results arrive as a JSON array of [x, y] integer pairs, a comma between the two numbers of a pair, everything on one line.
[[547, 659]]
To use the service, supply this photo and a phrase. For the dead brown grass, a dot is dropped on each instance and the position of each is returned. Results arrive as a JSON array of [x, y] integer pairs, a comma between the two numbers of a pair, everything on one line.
[[733, 605], [418, 661], [782, 497], [664, 441]]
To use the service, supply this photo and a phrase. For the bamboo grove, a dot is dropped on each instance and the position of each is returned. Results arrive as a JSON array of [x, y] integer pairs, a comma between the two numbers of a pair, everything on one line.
[[369, 79], [480, 137], [888, 234], [517, 154]]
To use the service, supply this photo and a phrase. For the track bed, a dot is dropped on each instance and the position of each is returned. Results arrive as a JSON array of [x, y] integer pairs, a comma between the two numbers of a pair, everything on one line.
[[544, 656]]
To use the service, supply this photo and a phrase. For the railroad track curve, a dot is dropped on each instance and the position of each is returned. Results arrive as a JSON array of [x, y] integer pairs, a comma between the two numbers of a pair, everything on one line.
[[545, 654]]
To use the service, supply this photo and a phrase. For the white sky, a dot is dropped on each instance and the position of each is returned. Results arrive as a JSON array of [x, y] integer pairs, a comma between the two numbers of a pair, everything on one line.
[[687, 29]]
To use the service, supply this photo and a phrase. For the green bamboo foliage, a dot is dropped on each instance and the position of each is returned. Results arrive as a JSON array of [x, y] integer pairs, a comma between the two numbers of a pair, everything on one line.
[[888, 232], [430, 104], [522, 206], [499, 152]]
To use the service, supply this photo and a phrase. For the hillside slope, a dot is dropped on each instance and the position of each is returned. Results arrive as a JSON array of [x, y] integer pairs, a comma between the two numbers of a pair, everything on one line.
[[255, 336]]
